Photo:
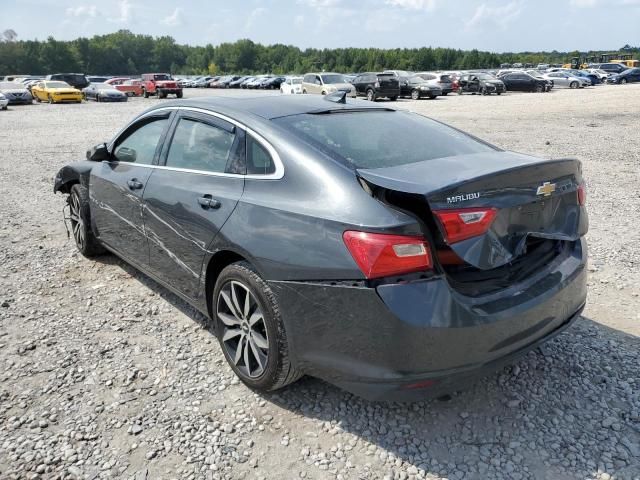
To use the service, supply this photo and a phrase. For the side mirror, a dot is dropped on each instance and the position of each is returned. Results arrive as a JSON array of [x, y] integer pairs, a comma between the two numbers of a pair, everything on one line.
[[126, 154], [98, 153]]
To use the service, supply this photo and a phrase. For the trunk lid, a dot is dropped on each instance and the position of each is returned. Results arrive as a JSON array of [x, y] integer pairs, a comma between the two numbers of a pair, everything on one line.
[[531, 198]]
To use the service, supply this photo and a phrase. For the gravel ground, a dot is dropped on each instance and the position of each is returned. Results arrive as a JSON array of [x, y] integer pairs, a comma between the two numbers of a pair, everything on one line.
[[105, 374]]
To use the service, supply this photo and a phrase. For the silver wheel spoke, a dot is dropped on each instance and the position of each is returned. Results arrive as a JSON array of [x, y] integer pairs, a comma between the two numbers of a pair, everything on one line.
[[259, 340], [228, 320], [227, 300], [255, 317], [238, 355], [236, 304], [247, 304], [257, 355], [229, 334]]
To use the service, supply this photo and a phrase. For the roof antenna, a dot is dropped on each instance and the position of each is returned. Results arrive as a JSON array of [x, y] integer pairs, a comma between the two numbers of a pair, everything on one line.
[[337, 97]]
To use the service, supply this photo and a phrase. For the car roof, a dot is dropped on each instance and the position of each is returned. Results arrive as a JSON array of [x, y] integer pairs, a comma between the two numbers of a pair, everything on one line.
[[270, 107]]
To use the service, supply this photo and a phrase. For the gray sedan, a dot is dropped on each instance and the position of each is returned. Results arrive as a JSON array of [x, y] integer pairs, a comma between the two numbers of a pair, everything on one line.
[[566, 80], [16, 93], [103, 92]]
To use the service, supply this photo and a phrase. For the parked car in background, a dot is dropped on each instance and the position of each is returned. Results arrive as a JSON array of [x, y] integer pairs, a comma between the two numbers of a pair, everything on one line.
[[131, 87], [56, 92], [563, 79], [247, 81], [239, 81], [75, 80], [103, 92], [96, 79], [602, 74], [255, 83], [223, 82], [403, 79], [417, 87], [377, 85], [630, 75], [16, 93], [160, 84], [291, 86], [273, 83], [399, 281], [541, 75], [4, 101], [481, 83], [441, 80], [593, 78], [325, 83], [523, 82], [612, 67]]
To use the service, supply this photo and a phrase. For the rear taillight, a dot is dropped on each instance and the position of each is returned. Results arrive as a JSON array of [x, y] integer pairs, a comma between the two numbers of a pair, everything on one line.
[[381, 255], [582, 194], [465, 223]]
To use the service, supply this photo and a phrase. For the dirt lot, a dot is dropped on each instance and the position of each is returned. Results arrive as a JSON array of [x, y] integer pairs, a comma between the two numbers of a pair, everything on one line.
[[105, 374]]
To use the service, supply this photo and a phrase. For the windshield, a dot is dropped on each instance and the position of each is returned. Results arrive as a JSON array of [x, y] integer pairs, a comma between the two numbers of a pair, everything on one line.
[[103, 86], [163, 76], [328, 79], [296, 81], [377, 139], [58, 85]]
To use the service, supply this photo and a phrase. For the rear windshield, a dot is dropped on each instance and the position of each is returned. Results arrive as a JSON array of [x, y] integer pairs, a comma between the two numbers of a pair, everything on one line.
[[377, 139]]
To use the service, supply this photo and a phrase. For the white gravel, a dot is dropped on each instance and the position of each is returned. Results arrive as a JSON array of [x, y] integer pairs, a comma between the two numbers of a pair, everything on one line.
[[104, 374]]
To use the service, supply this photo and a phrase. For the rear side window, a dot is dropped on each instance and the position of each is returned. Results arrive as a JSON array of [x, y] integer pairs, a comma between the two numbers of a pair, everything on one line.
[[140, 145], [200, 146], [377, 139], [259, 162]]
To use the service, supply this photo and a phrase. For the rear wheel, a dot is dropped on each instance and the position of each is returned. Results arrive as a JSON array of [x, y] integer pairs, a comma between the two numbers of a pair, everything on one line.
[[415, 94], [179, 94], [80, 219], [371, 96], [250, 329]]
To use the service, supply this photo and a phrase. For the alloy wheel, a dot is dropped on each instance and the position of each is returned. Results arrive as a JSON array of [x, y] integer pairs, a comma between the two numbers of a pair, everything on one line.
[[77, 224], [244, 332]]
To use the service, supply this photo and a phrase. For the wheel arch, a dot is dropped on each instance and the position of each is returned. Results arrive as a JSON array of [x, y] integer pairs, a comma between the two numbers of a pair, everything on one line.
[[69, 175], [218, 262]]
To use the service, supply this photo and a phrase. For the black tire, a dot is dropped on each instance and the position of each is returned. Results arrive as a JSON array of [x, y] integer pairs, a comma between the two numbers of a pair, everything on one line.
[[415, 95], [498, 93], [444, 94], [393, 99], [304, 92], [145, 94], [159, 93], [459, 91], [179, 94], [80, 219], [573, 85], [37, 98], [98, 99], [323, 93], [279, 369], [539, 88], [49, 98], [371, 95], [623, 81], [432, 97]]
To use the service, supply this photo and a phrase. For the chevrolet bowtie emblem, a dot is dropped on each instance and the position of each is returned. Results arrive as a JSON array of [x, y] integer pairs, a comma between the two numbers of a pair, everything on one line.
[[546, 189]]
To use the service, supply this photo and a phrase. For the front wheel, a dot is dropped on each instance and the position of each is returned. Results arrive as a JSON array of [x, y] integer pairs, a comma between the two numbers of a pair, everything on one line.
[[573, 85], [250, 329], [179, 94], [415, 95], [145, 94], [623, 81], [50, 99], [80, 219], [539, 88], [393, 99]]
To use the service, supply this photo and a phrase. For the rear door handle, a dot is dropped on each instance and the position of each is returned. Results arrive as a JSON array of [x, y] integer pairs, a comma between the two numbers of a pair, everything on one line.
[[207, 202], [134, 184]]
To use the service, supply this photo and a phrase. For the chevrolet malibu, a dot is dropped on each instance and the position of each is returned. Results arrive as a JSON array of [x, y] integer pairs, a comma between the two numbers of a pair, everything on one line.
[[382, 251]]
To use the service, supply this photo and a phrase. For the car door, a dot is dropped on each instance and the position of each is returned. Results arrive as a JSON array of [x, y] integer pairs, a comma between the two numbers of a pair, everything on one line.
[[117, 185], [191, 195]]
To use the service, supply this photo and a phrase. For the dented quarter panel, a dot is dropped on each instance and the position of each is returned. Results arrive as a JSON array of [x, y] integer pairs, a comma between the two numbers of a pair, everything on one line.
[[67, 176]]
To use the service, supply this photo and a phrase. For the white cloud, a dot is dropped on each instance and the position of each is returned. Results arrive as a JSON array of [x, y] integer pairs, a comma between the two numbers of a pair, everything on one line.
[[498, 16], [82, 11], [298, 21], [176, 19], [320, 3], [253, 17], [125, 12], [413, 4]]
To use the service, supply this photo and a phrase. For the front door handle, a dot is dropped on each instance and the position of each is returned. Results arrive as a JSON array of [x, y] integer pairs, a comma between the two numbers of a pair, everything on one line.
[[134, 184], [207, 202]]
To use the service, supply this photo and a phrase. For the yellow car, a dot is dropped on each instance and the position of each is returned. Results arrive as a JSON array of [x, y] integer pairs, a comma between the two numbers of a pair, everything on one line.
[[55, 92]]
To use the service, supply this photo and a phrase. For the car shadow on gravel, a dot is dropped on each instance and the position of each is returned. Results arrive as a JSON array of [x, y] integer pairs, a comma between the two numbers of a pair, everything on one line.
[[569, 409]]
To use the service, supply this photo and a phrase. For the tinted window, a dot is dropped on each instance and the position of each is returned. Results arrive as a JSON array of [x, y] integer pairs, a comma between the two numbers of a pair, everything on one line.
[[259, 162], [140, 146], [381, 139], [200, 146]]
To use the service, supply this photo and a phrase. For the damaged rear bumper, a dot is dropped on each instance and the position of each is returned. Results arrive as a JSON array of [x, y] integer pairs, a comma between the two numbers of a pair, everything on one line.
[[410, 341]]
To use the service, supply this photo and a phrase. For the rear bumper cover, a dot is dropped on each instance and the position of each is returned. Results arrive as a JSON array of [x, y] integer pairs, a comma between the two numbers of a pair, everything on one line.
[[378, 343]]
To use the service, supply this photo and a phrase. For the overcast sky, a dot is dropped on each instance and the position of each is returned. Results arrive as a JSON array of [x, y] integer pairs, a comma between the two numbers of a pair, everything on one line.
[[495, 25]]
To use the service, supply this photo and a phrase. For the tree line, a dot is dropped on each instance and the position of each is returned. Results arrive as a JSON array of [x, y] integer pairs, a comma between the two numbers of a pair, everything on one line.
[[126, 53]]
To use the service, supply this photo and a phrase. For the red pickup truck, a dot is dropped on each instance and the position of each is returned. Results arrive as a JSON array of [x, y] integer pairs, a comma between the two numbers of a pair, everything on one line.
[[160, 84]]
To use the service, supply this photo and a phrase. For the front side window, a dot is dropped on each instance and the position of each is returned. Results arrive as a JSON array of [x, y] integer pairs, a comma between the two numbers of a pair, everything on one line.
[[200, 146], [379, 139], [140, 145]]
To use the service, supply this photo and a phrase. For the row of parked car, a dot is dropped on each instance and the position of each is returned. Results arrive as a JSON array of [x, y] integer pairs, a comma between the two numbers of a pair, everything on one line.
[[76, 87]]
